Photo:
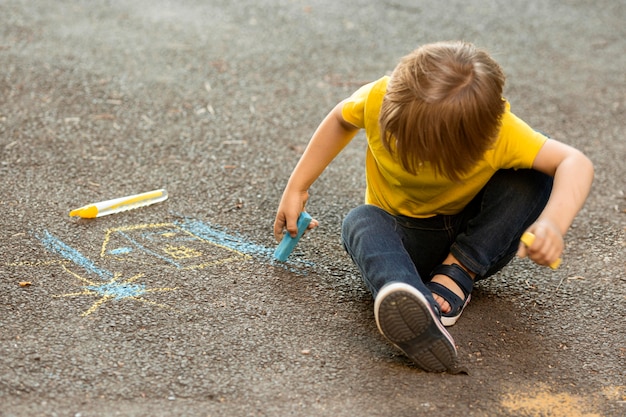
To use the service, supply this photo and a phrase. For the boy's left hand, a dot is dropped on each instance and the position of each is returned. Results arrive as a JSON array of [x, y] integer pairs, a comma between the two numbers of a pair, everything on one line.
[[547, 247]]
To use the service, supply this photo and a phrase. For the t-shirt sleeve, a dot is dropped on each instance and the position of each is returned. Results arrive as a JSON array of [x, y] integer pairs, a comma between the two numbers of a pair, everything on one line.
[[519, 143], [353, 110]]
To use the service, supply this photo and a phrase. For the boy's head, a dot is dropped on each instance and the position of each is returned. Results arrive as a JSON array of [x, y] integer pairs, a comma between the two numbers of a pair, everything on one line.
[[443, 106]]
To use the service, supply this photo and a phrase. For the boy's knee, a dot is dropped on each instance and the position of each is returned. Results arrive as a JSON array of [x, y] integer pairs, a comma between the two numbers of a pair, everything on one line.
[[360, 215], [360, 220]]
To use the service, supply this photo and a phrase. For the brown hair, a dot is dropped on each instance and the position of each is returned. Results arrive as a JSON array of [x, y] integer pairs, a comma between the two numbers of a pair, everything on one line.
[[443, 106]]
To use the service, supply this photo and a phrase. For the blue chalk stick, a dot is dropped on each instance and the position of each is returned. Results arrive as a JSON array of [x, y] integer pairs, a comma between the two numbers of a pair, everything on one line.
[[286, 245]]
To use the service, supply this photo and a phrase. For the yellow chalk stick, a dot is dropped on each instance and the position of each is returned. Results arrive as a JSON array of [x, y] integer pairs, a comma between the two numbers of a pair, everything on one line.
[[528, 239]]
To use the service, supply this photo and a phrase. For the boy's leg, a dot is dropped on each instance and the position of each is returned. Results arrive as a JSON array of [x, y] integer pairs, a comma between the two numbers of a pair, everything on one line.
[[510, 202], [405, 311], [493, 224], [376, 243]]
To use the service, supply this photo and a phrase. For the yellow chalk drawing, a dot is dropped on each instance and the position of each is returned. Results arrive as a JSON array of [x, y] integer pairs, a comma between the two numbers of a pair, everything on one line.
[[543, 403], [37, 263], [182, 252], [615, 392], [112, 290]]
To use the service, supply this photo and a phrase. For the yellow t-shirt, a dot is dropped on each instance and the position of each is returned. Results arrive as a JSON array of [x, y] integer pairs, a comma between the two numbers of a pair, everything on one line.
[[398, 192]]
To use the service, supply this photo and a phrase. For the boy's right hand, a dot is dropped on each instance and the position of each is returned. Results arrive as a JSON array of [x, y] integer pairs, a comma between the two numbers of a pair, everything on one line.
[[287, 217]]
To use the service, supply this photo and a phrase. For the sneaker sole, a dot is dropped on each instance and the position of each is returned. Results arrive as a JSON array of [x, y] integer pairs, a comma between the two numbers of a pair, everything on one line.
[[406, 319]]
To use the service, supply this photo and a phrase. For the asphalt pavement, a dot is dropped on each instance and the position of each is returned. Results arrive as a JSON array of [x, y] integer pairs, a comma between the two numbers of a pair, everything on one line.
[[178, 309]]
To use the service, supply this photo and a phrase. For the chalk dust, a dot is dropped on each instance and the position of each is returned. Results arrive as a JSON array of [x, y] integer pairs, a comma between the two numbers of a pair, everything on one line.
[[543, 403]]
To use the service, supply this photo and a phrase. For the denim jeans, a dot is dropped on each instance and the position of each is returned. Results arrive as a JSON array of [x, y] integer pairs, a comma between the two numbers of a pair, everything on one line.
[[484, 237]]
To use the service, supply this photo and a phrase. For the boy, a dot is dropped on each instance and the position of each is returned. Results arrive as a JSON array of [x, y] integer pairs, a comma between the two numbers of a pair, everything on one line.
[[453, 181]]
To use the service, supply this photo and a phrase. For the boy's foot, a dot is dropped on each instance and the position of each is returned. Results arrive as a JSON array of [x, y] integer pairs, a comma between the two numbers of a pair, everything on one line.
[[451, 286], [408, 320]]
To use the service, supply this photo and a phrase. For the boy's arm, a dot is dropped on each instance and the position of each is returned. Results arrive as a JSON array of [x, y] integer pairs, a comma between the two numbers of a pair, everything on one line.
[[332, 135], [573, 175]]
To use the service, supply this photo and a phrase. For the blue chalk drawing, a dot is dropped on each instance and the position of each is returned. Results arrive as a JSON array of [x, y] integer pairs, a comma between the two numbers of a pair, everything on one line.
[[187, 244], [112, 290], [224, 239], [55, 245], [120, 251], [118, 290], [238, 243]]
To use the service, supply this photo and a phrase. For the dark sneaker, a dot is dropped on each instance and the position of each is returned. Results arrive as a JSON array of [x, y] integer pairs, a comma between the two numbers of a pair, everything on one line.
[[407, 319]]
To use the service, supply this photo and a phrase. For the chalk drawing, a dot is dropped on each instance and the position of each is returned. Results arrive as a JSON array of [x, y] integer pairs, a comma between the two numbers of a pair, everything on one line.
[[187, 245], [113, 290], [56, 245], [212, 234], [37, 263], [169, 243], [120, 251]]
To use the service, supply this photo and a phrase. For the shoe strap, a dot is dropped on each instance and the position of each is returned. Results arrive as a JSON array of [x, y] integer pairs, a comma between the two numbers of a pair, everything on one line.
[[456, 302], [456, 274]]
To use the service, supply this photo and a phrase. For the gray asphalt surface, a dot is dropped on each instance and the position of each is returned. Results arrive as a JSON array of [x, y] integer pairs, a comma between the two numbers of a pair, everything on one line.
[[178, 310]]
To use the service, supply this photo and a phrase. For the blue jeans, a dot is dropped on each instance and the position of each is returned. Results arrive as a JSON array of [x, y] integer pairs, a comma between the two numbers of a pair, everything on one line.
[[484, 237]]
